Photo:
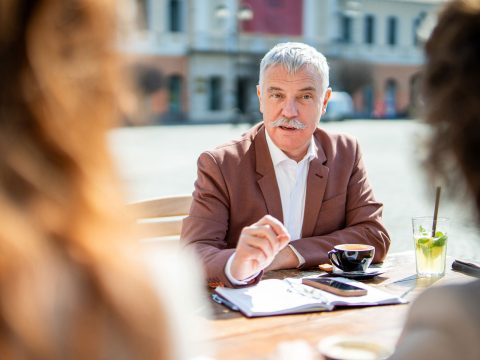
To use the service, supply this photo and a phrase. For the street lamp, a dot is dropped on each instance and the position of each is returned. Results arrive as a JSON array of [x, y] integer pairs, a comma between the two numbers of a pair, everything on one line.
[[244, 13], [234, 14]]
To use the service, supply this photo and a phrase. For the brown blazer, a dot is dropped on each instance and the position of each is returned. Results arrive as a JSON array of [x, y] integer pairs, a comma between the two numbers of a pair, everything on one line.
[[236, 186]]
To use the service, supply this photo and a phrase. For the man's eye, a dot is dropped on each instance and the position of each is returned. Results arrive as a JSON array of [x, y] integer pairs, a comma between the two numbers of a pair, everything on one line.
[[307, 97], [276, 96]]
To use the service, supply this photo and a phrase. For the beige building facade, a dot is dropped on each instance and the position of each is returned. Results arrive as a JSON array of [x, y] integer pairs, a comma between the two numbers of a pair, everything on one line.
[[209, 51]]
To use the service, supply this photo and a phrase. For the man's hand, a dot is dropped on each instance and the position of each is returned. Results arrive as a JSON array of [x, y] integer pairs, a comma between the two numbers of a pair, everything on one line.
[[285, 259], [257, 246]]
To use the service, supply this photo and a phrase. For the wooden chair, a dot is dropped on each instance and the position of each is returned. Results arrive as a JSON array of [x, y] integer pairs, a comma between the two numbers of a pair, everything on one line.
[[161, 218]]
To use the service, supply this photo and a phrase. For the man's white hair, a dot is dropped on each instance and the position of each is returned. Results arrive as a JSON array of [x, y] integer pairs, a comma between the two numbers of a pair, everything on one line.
[[293, 56]]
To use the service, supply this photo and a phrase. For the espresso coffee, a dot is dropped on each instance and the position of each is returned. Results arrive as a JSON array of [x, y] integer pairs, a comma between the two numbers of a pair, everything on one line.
[[352, 257]]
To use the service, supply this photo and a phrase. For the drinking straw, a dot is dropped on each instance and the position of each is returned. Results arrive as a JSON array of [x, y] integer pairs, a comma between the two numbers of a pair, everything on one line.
[[435, 213]]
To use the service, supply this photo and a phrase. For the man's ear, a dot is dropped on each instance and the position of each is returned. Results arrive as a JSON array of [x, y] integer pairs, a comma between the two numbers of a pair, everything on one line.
[[328, 93], [259, 94]]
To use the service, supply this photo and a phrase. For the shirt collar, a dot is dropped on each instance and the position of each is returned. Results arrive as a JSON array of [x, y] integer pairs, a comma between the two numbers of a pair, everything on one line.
[[278, 155]]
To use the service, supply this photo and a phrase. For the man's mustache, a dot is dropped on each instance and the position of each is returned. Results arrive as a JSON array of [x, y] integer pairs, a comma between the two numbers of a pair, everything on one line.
[[293, 123]]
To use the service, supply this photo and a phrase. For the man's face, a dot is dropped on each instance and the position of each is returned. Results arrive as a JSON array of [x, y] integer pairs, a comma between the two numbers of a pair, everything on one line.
[[299, 100]]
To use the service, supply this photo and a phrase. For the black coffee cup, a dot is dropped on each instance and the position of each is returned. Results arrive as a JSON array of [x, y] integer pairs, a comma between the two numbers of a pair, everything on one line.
[[352, 257]]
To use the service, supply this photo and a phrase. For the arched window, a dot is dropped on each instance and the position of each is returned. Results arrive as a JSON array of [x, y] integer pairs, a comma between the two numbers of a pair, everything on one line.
[[390, 98], [175, 84], [368, 100], [215, 93]]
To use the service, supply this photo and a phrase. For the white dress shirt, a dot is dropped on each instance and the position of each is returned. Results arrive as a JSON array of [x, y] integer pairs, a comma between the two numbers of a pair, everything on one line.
[[292, 183]]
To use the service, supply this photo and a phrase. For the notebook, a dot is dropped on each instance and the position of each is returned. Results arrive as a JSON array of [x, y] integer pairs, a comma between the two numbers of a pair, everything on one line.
[[290, 296]]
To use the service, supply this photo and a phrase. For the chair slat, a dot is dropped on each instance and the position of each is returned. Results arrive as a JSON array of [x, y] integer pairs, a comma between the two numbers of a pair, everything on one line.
[[164, 206], [162, 228], [162, 217]]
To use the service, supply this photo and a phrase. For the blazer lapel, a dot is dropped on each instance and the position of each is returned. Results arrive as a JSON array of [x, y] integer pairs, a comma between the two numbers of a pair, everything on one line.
[[316, 184], [267, 180]]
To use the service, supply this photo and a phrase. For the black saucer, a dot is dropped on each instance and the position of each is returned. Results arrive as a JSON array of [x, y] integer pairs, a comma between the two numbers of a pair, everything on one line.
[[358, 275]]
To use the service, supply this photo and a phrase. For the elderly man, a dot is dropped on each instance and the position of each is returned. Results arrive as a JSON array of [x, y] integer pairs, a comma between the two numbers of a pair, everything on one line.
[[286, 192]]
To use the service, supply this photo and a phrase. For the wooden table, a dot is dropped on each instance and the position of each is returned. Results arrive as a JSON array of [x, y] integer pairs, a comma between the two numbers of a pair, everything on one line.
[[235, 337]]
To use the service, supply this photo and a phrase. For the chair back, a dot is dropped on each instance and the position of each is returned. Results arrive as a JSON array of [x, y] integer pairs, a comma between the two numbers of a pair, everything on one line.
[[161, 218]]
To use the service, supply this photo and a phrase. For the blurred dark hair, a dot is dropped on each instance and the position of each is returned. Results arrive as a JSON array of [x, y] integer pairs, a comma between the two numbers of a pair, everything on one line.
[[452, 96]]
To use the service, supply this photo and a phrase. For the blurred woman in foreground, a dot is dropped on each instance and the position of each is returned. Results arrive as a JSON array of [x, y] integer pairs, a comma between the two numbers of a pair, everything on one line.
[[444, 322], [72, 284]]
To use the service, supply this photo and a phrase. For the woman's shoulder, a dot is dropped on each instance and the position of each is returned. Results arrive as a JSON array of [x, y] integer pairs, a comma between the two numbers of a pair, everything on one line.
[[443, 323]]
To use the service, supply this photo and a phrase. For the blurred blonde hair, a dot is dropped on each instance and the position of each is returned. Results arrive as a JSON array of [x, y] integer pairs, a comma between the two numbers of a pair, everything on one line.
[[70, 284]]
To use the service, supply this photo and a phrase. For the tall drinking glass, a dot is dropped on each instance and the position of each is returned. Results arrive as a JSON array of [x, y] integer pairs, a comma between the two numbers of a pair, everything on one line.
[[430, 245]]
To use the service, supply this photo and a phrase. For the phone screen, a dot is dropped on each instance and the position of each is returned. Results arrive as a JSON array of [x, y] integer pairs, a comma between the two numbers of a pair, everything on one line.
[[336, 284], [335, 287]]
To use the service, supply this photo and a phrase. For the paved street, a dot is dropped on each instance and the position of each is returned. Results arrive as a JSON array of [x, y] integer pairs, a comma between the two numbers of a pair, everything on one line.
[[161, 160]]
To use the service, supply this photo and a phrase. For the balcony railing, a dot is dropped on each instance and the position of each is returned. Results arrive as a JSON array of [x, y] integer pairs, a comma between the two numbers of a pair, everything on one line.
[[182, 43]]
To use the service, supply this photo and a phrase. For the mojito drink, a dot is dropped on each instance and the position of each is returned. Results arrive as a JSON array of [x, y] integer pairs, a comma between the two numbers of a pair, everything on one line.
[[430, 251]]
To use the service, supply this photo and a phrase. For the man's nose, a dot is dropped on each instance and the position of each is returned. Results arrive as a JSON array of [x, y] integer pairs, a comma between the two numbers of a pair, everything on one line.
[[290, 109]]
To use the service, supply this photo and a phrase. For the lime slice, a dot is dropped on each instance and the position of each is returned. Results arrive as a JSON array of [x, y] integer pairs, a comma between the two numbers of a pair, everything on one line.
[[424, 241], [436, 251]]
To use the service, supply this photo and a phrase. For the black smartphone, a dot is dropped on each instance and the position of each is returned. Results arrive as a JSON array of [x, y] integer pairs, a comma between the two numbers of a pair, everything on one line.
[[335, 287]]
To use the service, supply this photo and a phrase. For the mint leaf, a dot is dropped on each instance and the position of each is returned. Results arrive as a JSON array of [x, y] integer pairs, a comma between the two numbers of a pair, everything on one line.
[[441, 240], [422, 229]]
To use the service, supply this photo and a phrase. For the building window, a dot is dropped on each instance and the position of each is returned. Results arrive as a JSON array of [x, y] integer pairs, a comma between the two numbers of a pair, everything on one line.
[[275, 3], [390, 98], [392, 30], [417, 22], [175, 93], [175, 15], [346, 29], [369, 29], [368, 100], [215, 93]]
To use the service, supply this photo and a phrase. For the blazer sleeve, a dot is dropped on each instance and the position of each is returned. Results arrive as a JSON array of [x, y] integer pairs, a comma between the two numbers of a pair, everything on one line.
[[362, 222], [206, 227]]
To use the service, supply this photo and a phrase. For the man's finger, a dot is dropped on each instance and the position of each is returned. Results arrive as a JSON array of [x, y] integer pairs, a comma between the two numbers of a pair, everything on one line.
[[276, 224], [253, 245], [265, 232], [283, 240]]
